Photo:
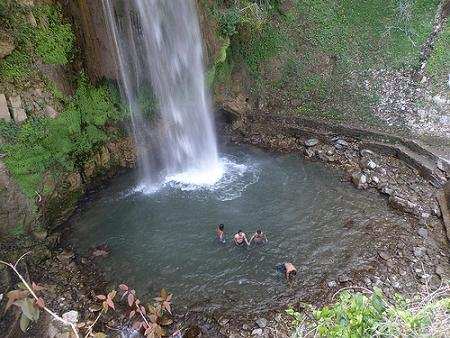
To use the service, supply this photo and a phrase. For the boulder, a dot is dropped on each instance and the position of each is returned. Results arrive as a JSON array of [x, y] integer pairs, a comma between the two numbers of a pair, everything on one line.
[[257, 332], [261, 322], [402, 204], [17, 112], [57, 329], [367, 163], [311, 142], [359, 180], [51, 112], [366, 153], [4, 111]]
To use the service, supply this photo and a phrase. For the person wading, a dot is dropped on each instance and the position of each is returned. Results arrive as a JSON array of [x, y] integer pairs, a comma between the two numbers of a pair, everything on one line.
[[240, 238]]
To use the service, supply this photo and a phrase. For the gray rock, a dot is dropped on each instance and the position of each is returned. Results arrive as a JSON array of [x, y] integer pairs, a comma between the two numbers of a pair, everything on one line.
[[402, 204], [223, 321], [71, 316], [51, 112], [246, 327], [278, 318], [332, 284], [443, 165], [4, 111], [261, 322], [367, 163], [423, 232], [257, 332], [385, 189], [340, 143], [359, 180], [366, 153], [311, 142], [15, 101], [436, 211], [17, 112], [384, 255], [419, 251], [309, 153], [344, 279], [57, 329]]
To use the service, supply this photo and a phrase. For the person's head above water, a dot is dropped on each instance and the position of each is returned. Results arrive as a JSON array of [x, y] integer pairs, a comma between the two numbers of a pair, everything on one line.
[[221, 226], [239, 231], [259, 231]]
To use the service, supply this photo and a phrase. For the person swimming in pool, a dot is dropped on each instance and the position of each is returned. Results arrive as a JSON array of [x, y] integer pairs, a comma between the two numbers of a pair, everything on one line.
[[259, 237], [220, 233], [288, 269], [240, 238]]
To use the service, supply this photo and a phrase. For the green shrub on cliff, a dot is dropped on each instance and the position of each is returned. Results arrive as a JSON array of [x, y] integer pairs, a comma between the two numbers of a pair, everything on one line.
[[15, 67], [45, 146], [53, 39]]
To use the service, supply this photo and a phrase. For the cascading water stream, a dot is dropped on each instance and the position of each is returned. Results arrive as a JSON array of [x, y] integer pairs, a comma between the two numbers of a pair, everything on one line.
[[159, 45]]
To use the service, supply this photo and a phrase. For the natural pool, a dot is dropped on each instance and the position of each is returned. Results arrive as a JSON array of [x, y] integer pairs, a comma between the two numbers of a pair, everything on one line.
[[167, 238]]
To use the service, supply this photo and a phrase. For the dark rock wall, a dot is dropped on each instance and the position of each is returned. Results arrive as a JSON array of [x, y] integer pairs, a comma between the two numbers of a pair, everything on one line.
[[94, 44]]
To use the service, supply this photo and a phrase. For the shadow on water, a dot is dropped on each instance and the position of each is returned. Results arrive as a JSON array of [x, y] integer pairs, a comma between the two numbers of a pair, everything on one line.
[[166, 239]]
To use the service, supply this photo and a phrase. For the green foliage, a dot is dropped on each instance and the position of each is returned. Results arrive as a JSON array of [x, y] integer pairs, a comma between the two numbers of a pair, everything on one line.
[[51, 146], [439, 61], [15, 67], [54, 39], [8, 131], [356, 315], [228, 22], [391, 30], [17, 231], [262, 46], [53, 89]]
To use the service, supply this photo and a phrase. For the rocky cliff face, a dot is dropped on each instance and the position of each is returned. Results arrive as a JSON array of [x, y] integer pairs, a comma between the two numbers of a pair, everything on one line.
[[93, 41]]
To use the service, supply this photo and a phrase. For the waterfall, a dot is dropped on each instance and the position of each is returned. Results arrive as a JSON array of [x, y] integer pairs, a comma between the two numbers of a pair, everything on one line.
[[159, 46]]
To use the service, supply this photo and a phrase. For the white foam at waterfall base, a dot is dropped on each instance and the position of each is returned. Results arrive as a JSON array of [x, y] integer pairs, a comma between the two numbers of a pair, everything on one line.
[[226, 181]]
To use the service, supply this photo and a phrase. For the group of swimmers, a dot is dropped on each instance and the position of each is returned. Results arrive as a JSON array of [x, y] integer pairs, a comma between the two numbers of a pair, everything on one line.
[[240, 239]]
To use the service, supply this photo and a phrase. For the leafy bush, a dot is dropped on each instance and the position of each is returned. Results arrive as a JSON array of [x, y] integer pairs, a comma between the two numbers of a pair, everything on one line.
[[15, 67], [8, 131], [359, 315], [51, 146], [228, 22], [54, 39]]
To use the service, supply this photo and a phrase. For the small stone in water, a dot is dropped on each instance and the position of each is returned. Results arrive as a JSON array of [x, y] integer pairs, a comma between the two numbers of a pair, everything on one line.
[[311, 142], [261, 322]]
